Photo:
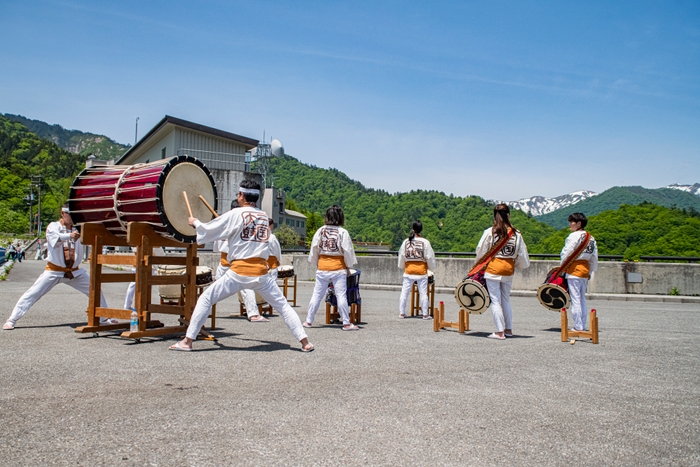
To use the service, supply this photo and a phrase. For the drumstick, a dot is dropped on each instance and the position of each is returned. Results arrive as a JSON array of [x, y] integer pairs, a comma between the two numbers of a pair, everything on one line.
[[187, 202], [208, 206]]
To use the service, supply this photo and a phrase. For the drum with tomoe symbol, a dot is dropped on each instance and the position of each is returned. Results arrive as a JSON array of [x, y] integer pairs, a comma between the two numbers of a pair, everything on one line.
[[149, 193]]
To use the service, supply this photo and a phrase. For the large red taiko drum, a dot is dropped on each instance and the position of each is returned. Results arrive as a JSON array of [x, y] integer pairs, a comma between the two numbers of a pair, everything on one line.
[[115, 195]]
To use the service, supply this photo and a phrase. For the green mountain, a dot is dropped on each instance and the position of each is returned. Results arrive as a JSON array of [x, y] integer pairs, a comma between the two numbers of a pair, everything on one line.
[[644, 229], [450, 223], [74, 141], [23, 154], [617, 196]]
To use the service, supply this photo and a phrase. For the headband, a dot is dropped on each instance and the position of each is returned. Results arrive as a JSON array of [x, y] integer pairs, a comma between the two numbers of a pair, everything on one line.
[[249, 191], [65, 210]]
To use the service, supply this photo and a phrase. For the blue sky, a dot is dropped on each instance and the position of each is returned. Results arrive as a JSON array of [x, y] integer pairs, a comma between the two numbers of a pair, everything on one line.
[[502, 99]]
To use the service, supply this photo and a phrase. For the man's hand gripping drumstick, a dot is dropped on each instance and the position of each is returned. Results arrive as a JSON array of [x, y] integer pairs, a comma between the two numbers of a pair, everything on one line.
[[191, 219]]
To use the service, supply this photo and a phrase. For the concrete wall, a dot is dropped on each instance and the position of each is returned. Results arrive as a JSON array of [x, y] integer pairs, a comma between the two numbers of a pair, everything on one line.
[[657, 278]]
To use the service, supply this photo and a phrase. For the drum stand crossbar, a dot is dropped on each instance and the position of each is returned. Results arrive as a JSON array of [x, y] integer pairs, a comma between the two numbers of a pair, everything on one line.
[[143, 238], [415, 299], [567, 334], [462, 325]]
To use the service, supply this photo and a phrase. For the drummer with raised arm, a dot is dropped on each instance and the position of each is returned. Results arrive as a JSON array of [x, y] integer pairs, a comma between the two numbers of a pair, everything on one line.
[[581, 269], [248, 233], [64, 252]]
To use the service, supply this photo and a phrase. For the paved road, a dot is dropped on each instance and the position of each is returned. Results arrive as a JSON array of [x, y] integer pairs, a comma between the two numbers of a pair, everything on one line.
[[394, 393]]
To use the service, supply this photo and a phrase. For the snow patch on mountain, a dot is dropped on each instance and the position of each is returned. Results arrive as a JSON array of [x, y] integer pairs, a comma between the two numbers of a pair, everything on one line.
[[539, 205], [692, 189]]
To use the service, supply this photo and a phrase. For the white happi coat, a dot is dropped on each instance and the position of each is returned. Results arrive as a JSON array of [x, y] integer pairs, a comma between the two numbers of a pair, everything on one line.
[[515, 249]]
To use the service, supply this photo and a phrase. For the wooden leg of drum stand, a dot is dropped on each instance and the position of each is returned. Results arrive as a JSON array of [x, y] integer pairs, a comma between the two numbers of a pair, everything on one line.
[[564, 326], [594, 326], [413, 299], [431, 296], [328, 313], [462, 321]]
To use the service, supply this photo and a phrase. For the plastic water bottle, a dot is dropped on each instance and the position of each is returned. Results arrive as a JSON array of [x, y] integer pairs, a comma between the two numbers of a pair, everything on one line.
[[134, 324]]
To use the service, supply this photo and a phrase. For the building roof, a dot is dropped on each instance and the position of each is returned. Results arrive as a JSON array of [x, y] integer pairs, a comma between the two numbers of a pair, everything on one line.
[[290, 213], [249, 143]]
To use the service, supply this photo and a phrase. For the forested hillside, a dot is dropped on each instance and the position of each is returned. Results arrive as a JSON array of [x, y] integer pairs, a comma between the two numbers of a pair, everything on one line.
[[645, 229], [615, 197], [23, 154], [451, 223], [74, 141]]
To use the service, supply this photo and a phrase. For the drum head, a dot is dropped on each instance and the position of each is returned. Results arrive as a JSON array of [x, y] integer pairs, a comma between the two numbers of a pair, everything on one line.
[[553, 297], [189, 175], [472, 296]]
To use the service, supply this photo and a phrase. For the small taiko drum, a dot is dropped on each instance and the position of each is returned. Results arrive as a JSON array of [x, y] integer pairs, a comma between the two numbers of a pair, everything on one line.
[[352, 289], [115, 195], [472, 295], [285, 271], [431, 277], [554, 293], [204, 275]]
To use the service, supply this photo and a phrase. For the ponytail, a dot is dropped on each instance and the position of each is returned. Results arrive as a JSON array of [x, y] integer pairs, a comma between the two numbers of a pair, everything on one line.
[[500, 220], [416, 228]]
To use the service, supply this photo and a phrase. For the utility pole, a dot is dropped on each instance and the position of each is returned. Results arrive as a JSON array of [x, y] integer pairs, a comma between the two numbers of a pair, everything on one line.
[[36, 181], [136, 134]]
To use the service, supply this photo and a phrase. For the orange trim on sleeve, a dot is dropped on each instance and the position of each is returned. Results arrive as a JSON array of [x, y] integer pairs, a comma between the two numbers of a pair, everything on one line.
[[416, 268], [331, 263], [249, 267], [501, 267]]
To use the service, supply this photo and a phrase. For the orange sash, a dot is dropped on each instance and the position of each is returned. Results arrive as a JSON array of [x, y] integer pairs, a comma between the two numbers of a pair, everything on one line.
[[68, 272], [579, 268], [249, 267], [272, 262], [501, 267], [481, 265], [331, 263], [416, 268], [224, 260]]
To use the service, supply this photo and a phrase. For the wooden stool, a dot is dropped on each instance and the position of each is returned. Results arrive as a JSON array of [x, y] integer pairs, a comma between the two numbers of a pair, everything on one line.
[[439, 320], [286, 288], [354, 310], [415, 299], [200, 290], [263, 307], [567, 335]]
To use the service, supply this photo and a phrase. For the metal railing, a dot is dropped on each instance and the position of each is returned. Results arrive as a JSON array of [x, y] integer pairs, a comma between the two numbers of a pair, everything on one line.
[[451, 254], [685, 259]]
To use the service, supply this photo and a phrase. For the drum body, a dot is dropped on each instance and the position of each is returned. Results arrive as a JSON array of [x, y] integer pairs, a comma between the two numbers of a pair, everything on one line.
[[285, 271], [472, 296], [554, 293], [204, 275], [431, 277], [353, 289], [149, 193]]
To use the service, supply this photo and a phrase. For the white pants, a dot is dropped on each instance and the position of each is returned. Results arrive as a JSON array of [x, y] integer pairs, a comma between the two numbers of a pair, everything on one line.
[[499, 293], [339, 280], [129, 298], [249, 301], [47, 281], [422, 282], [577, 292], [230, 284]]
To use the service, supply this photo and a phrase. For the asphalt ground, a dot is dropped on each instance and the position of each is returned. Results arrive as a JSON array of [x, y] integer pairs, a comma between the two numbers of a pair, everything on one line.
[[394, 393]]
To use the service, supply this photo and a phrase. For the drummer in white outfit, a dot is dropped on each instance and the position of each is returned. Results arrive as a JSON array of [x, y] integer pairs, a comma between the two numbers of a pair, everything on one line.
[[578, 273], [248, 233], [333, 254], [64, 252], [273, 262], [416, 257], [221, 246], [499, 272]]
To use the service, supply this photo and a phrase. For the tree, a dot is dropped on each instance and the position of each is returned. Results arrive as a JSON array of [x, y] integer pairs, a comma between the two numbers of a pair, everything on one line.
[[287, 237]]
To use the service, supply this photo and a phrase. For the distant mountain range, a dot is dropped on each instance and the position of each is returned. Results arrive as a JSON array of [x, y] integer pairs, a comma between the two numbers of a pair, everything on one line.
[[538, 206], [75, 141]]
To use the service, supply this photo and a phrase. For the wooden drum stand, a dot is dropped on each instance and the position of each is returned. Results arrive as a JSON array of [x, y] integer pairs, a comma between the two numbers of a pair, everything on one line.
[[415, 299], [567, 334], [142, 237], [462, 325]]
